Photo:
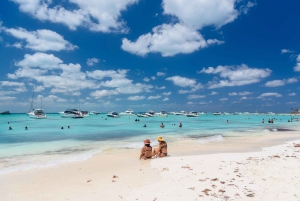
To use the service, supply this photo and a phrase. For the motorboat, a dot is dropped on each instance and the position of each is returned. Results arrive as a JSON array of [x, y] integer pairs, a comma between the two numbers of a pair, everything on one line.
[[162, 114], [128, 112], [5, 112], [113, 114], [192, 114], [180, 113], [37, 114], [142, 115], [71, 113], [93, 112], [150, 113], [85, 113], [217, 113]]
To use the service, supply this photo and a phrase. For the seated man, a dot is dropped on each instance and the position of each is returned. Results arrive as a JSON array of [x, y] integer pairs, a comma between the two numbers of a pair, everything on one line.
[[161, 150], [146, 152]]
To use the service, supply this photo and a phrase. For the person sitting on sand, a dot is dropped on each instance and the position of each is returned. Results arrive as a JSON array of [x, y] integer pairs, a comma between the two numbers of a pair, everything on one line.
[[146, 152], [162, 125], [161, 150]]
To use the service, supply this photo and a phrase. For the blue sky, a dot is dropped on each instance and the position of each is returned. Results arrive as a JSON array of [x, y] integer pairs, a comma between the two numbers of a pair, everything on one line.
[[201, 55]]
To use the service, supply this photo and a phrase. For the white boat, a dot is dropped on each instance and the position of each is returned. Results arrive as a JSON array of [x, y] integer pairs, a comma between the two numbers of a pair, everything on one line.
[[217, 113], [113, 114], [150, 113], [128, 112], [192, 114], [93, 112], [162, 114], [71, 113], [85, 113], [37, 114], [182, 112], [142, 115]]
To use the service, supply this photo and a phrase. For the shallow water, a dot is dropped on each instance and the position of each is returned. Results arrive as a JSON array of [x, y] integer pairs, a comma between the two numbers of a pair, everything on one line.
[[45, 144]]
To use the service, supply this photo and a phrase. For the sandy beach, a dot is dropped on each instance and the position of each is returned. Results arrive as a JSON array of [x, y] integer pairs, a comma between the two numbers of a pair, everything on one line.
[[257, 168]]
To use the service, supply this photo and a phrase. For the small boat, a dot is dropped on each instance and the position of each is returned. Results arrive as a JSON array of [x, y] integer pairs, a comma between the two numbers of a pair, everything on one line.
[[37, 114], [71, 113], [162, 114], [142, 115], [5, 113], [180, 113], [93, 112], [113, 114], [128, 112], [150, 113], [85, 113], [192, 114], [217, 113]]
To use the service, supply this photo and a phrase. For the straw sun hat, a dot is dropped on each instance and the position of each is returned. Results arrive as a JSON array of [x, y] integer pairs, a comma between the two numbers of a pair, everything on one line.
[[147, 141], [160, 138]]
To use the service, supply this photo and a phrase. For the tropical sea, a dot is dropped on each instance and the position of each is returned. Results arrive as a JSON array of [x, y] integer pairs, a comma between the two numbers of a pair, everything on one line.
[[46, 144]]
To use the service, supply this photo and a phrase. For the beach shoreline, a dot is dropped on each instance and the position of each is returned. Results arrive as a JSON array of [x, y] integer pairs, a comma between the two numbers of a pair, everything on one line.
[[117, 174]]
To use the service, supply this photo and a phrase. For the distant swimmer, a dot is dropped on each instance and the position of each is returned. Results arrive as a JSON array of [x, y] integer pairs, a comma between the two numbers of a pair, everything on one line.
[[10, 128], [162, 125], [145, 125], [62, 128], [26, 128], [263, 121], [68, 126], [180, 124], [228, 122]]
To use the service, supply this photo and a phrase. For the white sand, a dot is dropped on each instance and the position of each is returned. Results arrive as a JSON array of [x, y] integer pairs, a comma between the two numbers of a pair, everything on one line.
[[271, 174]]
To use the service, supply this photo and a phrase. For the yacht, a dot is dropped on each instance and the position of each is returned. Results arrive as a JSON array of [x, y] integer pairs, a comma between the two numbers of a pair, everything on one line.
[[85, 113], [128, 112], [162, 113], [37, 114], [5, 112], [217, 113], [113, 114], [142, 115], [182, 112], [192, 114], [150, 113], [93, 112], [71, 113]]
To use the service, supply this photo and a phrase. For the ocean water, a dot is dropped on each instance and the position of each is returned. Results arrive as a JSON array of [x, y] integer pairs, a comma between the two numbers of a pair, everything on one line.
[[46, 144]]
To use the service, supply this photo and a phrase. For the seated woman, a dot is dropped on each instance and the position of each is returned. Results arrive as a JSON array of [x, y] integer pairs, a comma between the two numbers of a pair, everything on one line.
[[146, 152], [161, 150]]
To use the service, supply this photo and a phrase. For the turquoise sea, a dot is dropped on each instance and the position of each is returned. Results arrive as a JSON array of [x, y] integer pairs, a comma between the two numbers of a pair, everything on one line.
[[46, 144]]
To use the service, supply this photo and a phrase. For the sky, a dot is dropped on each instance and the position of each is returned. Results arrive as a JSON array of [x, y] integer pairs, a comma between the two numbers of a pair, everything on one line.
[[171, 55]]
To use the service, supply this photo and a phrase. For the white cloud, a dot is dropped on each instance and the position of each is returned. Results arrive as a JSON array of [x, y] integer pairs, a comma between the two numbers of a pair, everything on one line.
[[235, 75], [160, 88], [292, 94], [160, 74], [193, 96], [16, 45], [146, 79], [102, 93], [167, 93], [277, 83], [182, 81], [200, 13], [213, 93], [168, 40], [96, 15], [233, 94], [283, 51], [223, 99], [270, 94], [92, 61], [136, 98], [165, 99], [154, 97], [297, 67], [41, 40], [153, 78]]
